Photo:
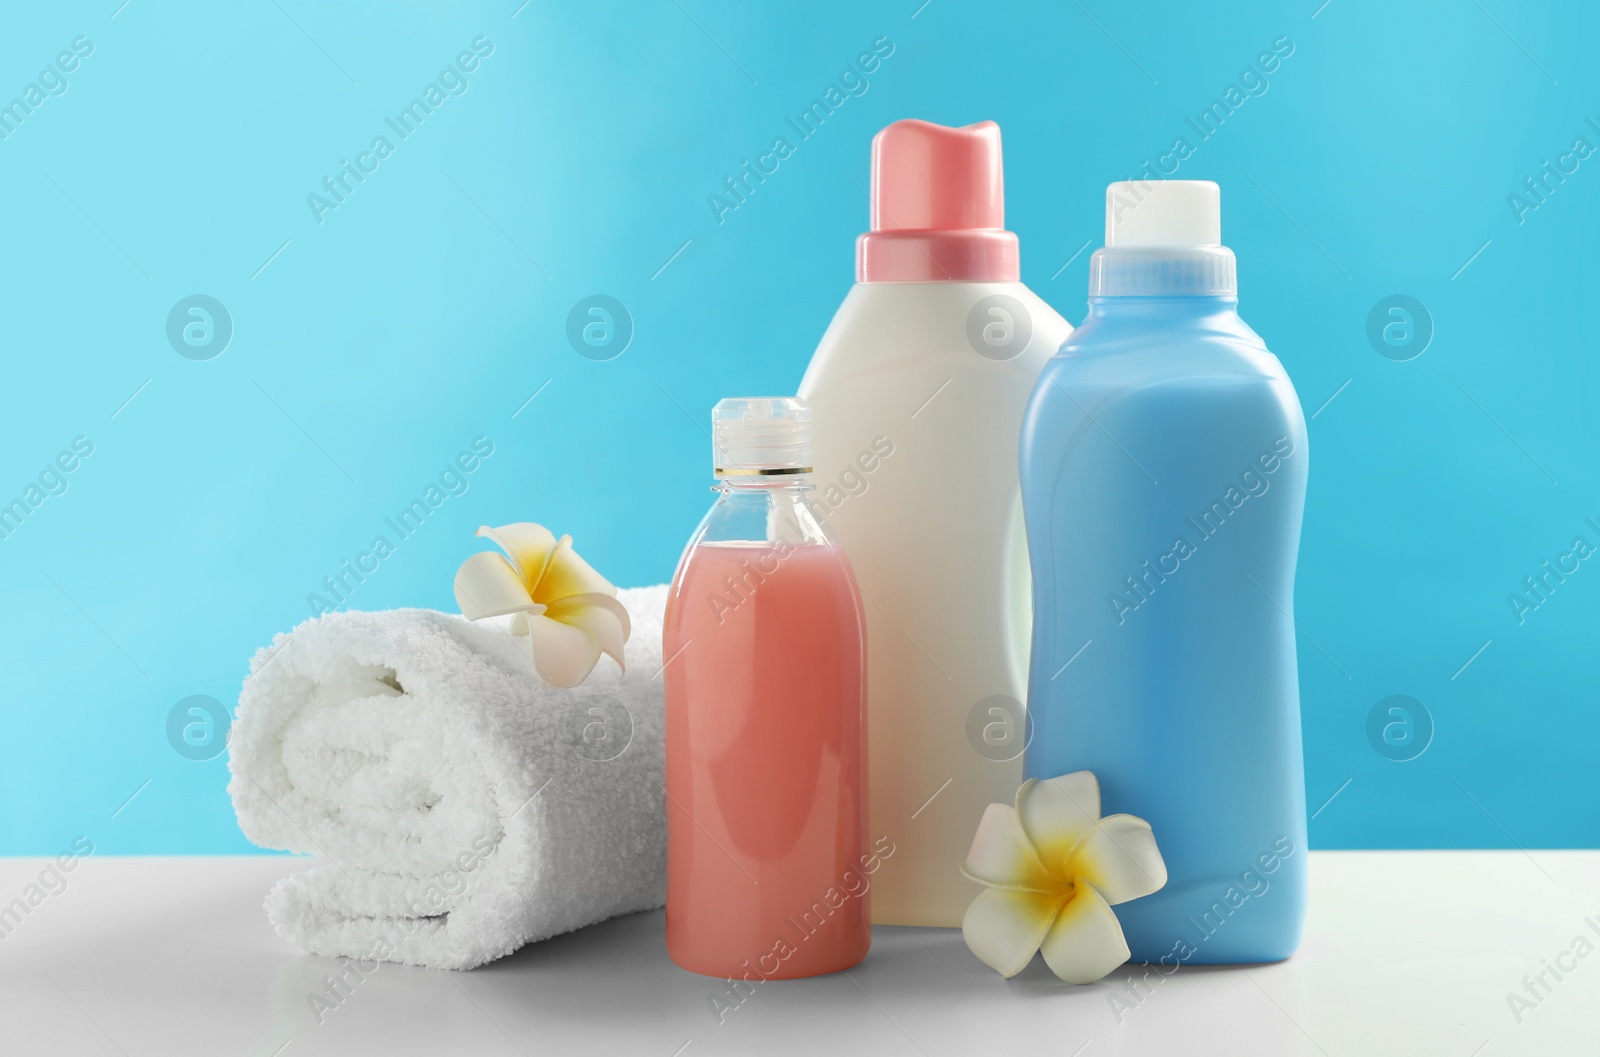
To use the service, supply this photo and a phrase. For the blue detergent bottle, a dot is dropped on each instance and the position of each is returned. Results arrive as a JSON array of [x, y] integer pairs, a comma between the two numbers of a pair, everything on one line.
[[1163, 481]]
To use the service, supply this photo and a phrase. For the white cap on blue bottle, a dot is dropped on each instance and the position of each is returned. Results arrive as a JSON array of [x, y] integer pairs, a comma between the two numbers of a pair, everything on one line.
[[1169, 213], [1163, 239]]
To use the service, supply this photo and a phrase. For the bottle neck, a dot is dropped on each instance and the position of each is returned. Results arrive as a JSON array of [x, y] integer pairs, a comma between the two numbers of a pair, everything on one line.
[[1163, 271], [970, 256], [764, 509], [732, 484], [1114, 322], [1166, 309]]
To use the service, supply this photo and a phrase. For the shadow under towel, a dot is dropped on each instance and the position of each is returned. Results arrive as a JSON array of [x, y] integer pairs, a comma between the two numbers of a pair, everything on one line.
[[464, 807]]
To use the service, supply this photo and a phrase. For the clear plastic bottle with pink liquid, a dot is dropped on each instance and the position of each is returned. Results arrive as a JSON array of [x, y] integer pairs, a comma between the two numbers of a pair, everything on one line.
[[768, 864]]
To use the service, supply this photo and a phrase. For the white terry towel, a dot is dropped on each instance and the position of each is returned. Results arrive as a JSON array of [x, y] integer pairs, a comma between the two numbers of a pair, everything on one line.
[[465, 806]]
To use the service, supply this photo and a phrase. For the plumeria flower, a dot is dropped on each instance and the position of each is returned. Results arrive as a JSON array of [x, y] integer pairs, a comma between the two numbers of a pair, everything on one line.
[[565, 614], [1054, 869]]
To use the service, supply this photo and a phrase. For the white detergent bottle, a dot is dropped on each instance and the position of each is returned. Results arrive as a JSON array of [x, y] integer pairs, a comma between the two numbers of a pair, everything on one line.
[[917, 393]]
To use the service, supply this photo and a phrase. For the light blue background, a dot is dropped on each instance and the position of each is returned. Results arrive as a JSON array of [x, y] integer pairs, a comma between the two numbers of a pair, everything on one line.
[[432, 304]]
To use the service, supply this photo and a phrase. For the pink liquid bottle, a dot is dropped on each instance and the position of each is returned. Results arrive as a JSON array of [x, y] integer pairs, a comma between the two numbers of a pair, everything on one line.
[[768, 865]]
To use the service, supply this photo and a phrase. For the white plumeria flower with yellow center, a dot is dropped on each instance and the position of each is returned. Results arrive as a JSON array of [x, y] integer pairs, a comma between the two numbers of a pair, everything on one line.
[[563, 612], [1054, 869]]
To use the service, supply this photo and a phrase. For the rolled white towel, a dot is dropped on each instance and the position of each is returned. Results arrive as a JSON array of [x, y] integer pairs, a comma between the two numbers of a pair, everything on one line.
[[464, 806]]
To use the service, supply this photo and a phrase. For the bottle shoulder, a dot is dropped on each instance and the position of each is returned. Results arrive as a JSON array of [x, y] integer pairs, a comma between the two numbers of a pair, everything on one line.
[[763, 517], [1235, 385], [1217, 350], [1002, 331], [1145, 375]]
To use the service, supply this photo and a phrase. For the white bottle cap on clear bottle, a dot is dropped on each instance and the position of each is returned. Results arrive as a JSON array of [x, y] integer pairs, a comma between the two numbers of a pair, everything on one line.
[[761, 436], [1163, 239]]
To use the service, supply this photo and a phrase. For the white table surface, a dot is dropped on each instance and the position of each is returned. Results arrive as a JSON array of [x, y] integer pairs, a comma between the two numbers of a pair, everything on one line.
[[1406, 953]]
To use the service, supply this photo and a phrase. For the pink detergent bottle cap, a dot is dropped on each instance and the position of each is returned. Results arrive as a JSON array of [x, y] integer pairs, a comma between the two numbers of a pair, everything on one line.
[[938, 207]]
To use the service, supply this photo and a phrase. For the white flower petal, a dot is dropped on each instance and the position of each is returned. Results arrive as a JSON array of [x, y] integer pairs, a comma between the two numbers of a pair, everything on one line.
[[1118, 855], [1004, 926], [487, 586], [1055, 813], [566, 575], [529, 545], [1085, 942], [1002, 856], [601, 615], [564, 654]]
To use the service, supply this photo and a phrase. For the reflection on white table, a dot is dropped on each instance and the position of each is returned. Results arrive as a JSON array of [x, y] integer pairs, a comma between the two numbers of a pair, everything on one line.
[[1413, 953]]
